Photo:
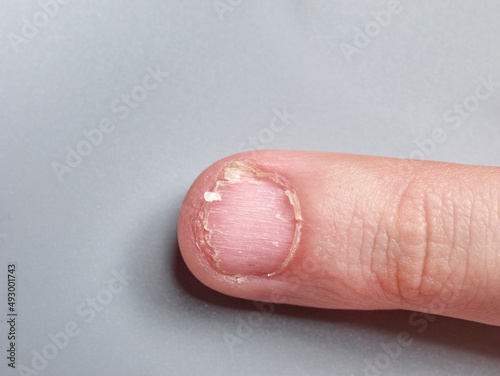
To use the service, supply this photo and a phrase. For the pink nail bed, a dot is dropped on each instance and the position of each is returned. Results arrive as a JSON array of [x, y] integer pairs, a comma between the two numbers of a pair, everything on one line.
[[251, 222]]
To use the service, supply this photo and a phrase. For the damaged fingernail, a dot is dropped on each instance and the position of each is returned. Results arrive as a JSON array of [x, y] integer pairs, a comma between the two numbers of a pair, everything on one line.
[[250, 222]]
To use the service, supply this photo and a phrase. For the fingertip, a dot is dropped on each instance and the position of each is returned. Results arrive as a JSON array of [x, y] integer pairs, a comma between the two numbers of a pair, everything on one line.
[[192, 234]]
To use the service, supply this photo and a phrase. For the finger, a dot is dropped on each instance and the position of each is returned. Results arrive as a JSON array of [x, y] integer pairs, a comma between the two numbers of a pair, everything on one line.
[[347, 232]]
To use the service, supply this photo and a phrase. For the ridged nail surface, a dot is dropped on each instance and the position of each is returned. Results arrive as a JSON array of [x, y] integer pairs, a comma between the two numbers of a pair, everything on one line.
[[251, 222]]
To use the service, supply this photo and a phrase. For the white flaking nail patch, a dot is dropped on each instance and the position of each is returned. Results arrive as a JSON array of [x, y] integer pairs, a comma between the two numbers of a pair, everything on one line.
[[212, 196]]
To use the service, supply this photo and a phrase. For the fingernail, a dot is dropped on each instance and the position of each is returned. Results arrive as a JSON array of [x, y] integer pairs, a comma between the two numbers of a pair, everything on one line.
[[251, 222]]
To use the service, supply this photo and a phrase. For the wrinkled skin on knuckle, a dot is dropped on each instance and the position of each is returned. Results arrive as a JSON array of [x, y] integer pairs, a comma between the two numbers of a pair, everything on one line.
[[407, 231], [443, 247], [419, 242], [378, 245], [388, 238], [430, 266]]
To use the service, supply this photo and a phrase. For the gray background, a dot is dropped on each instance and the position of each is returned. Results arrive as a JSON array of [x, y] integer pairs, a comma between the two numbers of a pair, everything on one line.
[[227, 74]]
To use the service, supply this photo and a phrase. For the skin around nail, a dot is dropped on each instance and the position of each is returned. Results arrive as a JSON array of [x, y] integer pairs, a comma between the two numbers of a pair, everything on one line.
[[345, 231]]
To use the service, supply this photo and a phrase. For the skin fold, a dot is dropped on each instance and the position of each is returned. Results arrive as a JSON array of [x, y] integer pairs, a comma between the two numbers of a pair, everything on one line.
[[375, 233]]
